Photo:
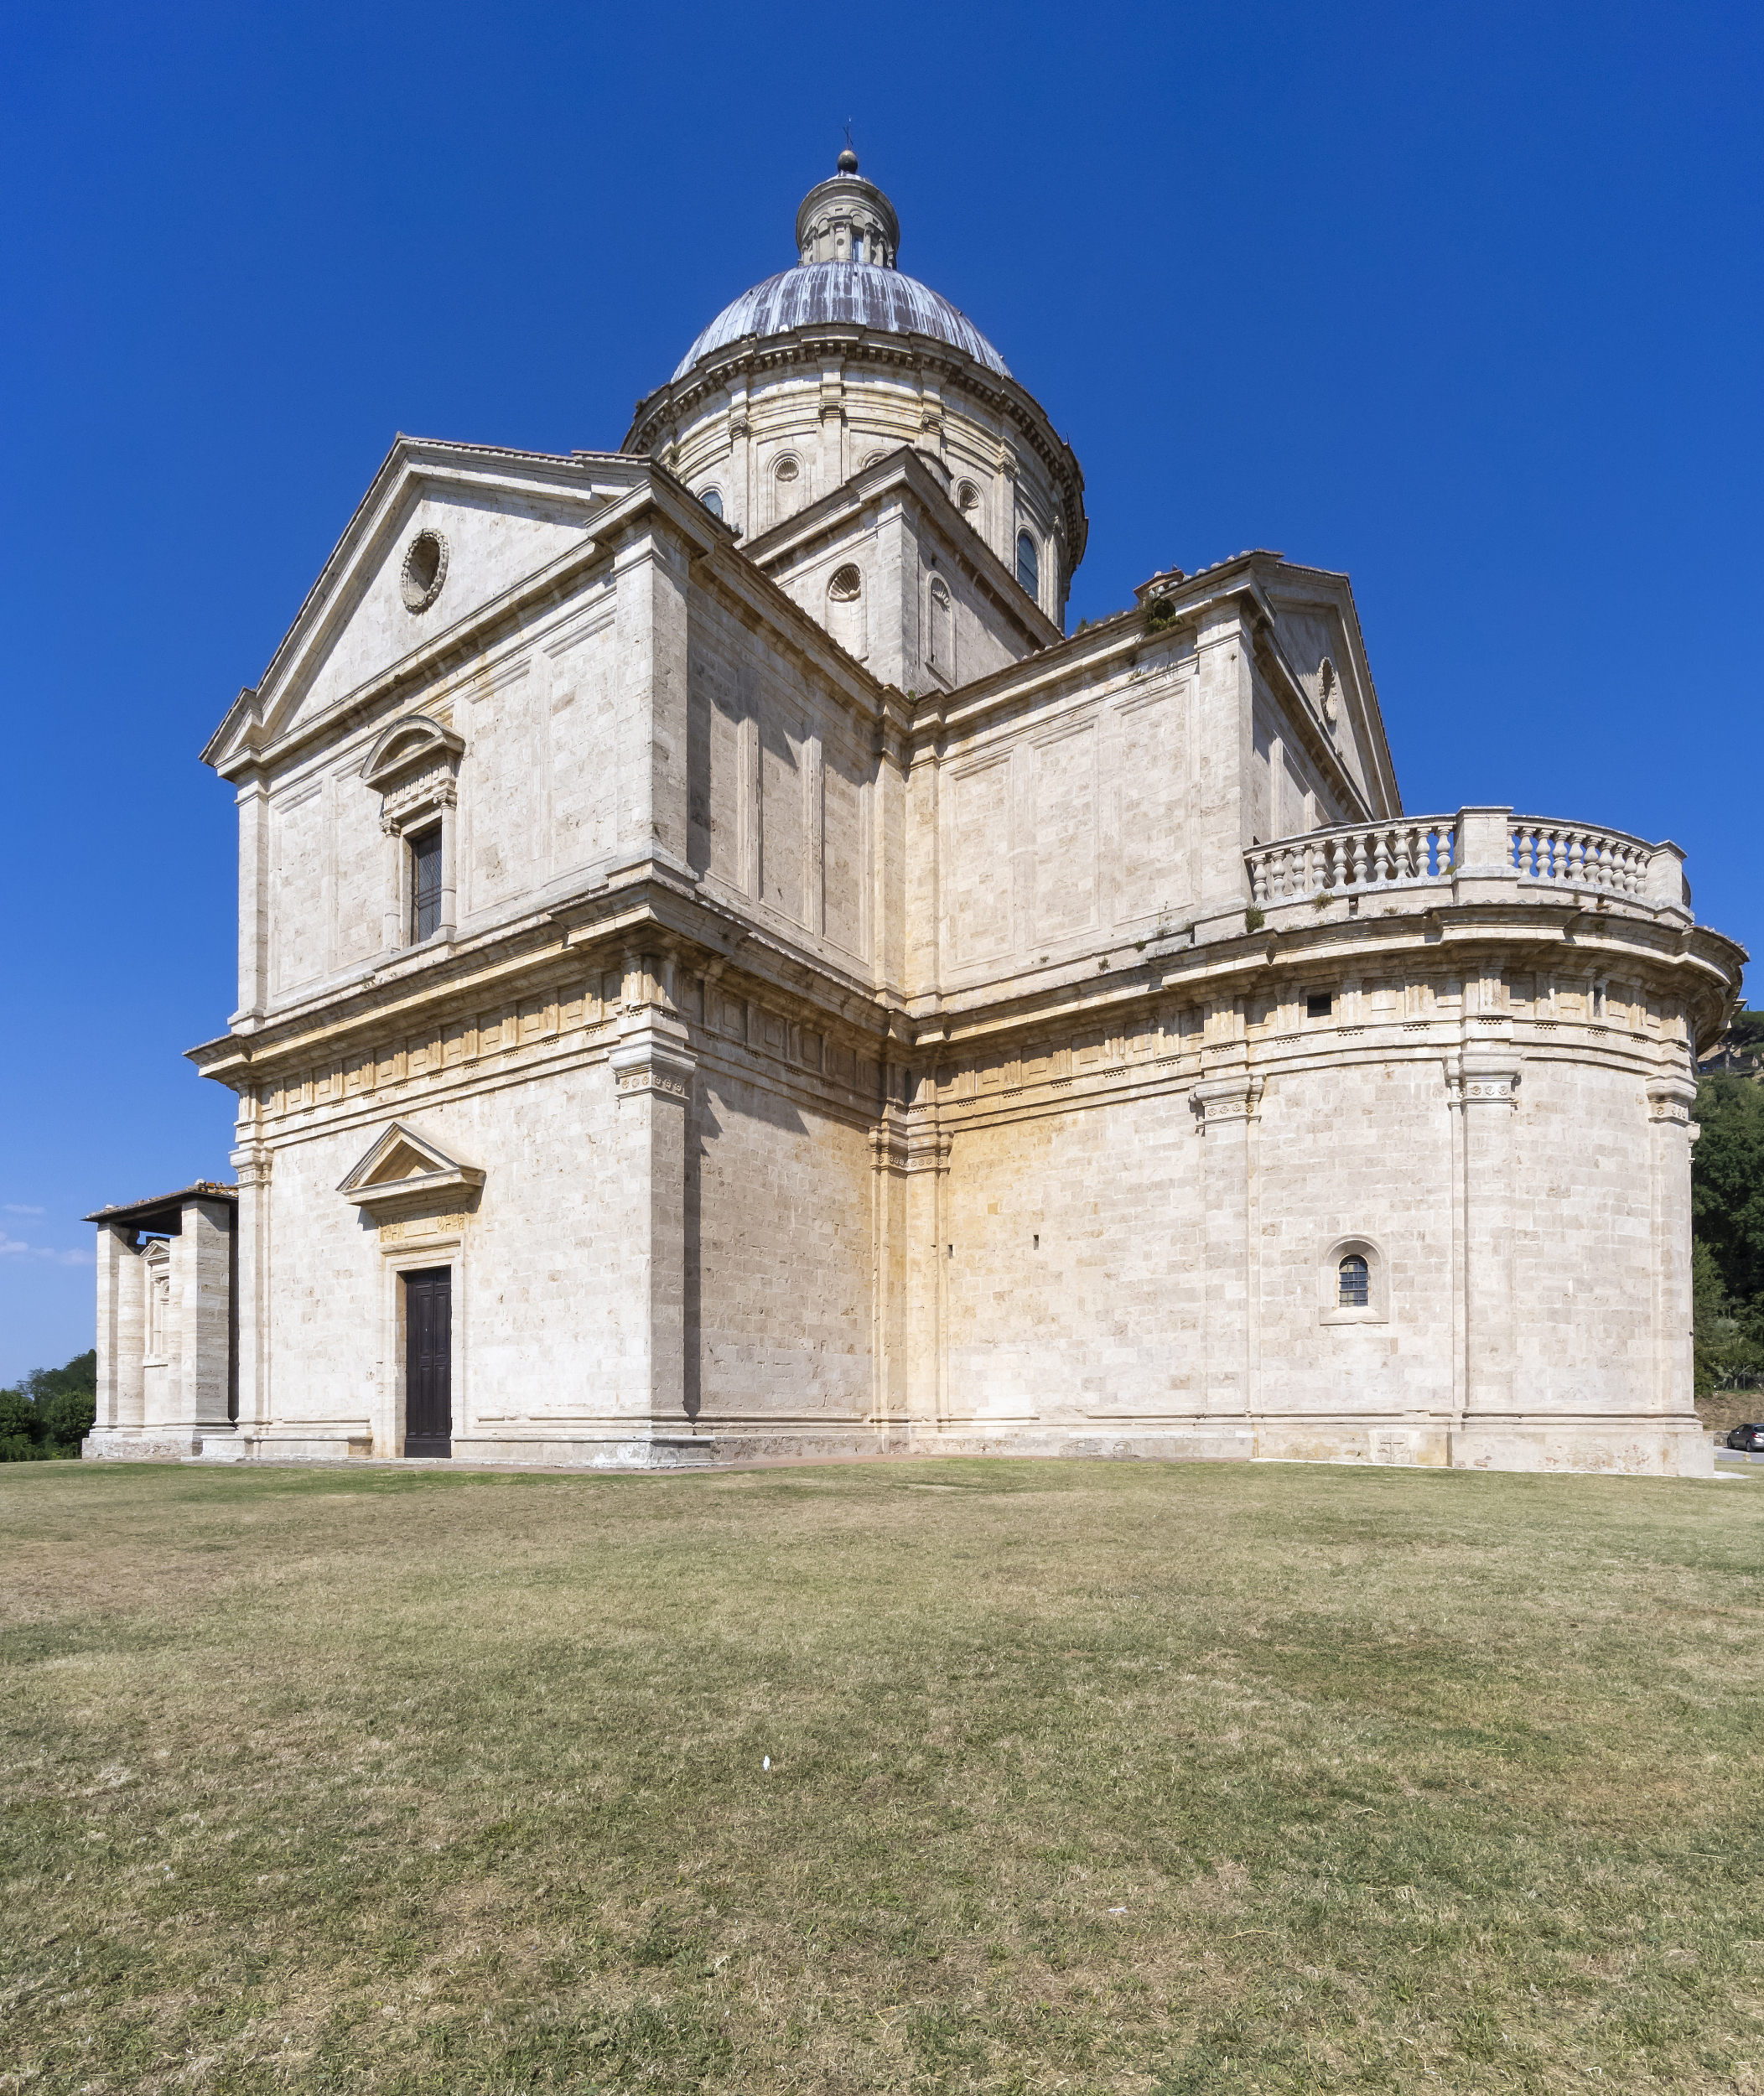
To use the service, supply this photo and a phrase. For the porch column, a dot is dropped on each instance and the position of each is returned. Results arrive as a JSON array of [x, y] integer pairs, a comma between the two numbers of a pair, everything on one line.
[[201, 1261], [122, 1327]]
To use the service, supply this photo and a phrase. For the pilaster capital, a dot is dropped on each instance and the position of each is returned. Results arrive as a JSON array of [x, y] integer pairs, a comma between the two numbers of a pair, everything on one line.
[[252, 1166], [889, 1148], [927, 1150], [1217, 1100], [1671, 1099], [654, 1055], [1484, 1082]]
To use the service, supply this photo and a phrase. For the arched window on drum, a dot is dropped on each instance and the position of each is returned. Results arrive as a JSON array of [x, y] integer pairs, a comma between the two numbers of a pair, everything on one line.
[[1353, 1282], [942, 630], [845, 619], [1029, 564]]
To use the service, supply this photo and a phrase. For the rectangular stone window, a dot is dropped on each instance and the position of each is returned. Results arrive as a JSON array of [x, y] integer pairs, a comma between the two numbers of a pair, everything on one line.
[[1319, 1005], [425, 883]]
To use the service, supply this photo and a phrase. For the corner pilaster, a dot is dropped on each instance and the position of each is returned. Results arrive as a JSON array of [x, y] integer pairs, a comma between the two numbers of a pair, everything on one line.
[[1674, 1135], [652, 1067]]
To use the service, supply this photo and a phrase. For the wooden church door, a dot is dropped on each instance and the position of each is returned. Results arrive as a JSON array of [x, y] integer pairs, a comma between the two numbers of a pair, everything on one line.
[[428, 1339]]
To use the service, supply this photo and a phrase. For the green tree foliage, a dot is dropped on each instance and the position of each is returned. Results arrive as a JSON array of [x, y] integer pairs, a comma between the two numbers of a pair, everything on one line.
[[1727, 1217], [1727, 1181], [50, 1413]]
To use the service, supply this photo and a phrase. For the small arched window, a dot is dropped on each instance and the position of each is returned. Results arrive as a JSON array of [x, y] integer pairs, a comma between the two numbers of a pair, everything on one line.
[[1353, 1282], [942, 630], [713, 500], [1029, 565], [845, 619]]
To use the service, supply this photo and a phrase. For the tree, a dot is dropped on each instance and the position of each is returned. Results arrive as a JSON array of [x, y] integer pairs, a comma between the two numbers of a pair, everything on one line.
[[1727, 1182], [51, 1412]]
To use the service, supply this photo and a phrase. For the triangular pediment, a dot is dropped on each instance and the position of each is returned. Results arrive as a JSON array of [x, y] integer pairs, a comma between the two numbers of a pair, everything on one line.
[[446, 534], [401, 1162]]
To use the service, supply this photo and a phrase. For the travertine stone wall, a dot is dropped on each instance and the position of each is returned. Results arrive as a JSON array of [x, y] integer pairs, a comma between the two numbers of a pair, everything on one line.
[[780, 1191], [805, 1066]]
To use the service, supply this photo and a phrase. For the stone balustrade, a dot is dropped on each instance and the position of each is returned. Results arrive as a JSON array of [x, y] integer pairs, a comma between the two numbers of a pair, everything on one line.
[[1474, 847]]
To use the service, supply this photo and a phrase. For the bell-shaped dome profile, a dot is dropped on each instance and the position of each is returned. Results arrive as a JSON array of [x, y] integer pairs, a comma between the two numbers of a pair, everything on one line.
[[847, 240], [856, 294], [807, 381]]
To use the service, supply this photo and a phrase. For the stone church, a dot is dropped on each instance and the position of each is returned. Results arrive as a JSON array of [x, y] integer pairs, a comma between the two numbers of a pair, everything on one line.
[[723, 974]]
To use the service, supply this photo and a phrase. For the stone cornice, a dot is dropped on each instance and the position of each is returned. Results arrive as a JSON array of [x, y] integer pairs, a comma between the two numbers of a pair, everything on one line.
[[1700, 967]]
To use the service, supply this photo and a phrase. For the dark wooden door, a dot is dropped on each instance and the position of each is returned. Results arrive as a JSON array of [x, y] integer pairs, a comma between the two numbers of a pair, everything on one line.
[[428, 1342]]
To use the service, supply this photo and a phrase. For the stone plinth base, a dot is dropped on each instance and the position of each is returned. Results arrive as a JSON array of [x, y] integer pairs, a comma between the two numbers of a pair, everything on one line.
[[1625, 1448], [177, 1444], [1632, 1447], [639, 1451]]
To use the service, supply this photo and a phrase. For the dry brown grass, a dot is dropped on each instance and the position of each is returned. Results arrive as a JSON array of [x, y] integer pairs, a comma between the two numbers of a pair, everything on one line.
[[405, 1782]]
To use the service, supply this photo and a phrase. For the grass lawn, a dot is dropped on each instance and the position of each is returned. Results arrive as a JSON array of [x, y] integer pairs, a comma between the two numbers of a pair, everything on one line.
[[1084, 1776]]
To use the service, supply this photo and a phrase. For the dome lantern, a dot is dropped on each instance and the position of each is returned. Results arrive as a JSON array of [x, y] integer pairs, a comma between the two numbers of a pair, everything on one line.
[[847, 219]]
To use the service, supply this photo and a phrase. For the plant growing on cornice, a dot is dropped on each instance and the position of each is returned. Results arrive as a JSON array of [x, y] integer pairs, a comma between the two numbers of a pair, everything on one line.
[[1254, 919], [1160, 614]]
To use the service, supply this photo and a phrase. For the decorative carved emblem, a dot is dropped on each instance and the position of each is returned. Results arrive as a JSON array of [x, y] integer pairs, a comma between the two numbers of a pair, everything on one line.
[[424, 572]]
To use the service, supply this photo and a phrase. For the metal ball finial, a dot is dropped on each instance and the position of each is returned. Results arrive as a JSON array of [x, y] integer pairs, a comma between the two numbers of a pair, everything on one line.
[[847, 162]]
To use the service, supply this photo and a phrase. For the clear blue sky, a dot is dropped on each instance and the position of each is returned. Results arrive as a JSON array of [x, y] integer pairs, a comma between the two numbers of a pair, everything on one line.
[[1465, 301]]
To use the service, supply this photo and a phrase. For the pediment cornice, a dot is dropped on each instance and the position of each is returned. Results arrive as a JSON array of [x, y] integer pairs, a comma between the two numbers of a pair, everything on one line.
[[605, 486], [400, 1166], [411, 744]]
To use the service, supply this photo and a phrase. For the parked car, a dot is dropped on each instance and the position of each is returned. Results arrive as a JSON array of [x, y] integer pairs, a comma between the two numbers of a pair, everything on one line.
[[1748, 1439]]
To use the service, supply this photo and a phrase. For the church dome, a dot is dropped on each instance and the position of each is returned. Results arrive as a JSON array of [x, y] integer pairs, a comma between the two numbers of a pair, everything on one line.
[[848, 239], [856, 294]]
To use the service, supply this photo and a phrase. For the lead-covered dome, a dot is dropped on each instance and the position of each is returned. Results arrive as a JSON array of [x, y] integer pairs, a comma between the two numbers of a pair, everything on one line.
[[806, 382], [847, 247], [861, 294]]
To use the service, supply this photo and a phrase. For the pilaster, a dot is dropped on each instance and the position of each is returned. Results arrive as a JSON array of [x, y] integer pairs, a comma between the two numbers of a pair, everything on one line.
[[652, 1065], [1485, 1094], [1672, 1135], [927, 1278], [1223, 728], [1228, 1107], [253, 804], [889, 1243], [252, 1164]]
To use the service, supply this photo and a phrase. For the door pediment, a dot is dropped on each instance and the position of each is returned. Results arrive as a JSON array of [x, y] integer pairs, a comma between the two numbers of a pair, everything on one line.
[[402, 1167]]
